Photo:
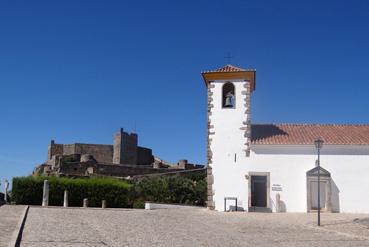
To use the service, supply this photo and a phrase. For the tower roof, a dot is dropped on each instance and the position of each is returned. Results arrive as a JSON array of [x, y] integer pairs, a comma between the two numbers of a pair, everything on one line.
[[229, 68], [229, 72]]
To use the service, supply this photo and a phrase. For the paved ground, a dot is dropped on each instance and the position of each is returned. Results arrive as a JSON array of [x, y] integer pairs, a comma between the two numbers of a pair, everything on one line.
[[9, 217], [189, 227]]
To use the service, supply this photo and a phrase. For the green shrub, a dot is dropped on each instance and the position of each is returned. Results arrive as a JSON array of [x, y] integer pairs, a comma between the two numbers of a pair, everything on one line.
[[139, 204], [117, 193], [171, 189], [28, 190]]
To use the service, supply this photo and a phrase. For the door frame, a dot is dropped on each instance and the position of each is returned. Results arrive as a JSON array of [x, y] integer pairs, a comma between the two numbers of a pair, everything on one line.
[[259, 209], [325, 176]]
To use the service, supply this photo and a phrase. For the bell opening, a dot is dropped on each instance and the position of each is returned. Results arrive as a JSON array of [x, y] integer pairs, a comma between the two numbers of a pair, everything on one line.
[[228, 96]]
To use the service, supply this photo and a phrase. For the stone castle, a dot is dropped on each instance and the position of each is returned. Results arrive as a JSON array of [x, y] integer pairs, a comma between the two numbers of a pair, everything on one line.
[[122, 159]]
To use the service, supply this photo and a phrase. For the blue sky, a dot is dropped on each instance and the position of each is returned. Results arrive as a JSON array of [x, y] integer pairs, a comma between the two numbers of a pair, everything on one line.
[[77, 71]]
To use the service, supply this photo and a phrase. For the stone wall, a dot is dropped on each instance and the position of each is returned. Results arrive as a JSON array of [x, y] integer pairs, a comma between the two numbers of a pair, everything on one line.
[[129, 149], [144, 156], [54, 149], [117, 147], [115, 170], [247, 124], [125, 148], [101, 153], [69, 149], [209, 171]]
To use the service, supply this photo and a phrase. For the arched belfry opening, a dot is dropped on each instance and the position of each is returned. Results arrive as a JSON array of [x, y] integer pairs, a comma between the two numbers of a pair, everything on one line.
[[228, 99]]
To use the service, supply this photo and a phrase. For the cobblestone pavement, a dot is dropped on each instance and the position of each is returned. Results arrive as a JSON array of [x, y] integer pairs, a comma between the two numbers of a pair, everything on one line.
[[9, 217], [189, 227]]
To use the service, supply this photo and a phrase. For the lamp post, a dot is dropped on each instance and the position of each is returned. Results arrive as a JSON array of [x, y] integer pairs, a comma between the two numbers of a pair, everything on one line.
[[318, 145]]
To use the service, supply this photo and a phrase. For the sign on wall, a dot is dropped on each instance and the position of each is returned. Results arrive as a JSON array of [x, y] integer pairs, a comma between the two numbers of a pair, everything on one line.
[[276, 187]]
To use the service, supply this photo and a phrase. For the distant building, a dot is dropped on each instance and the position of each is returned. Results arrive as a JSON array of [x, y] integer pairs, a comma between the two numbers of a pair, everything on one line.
[[272, 167], [122, 159]]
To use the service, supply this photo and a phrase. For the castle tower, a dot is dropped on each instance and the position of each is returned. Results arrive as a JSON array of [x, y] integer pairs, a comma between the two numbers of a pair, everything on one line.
[[125, 148], [229, 132]]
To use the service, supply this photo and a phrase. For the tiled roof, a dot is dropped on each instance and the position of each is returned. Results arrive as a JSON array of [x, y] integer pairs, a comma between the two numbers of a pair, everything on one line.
[[228, 68], [305, 134]]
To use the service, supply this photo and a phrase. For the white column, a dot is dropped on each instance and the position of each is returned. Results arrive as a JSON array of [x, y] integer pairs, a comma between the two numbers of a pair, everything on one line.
[[45, 196], [65, 203]]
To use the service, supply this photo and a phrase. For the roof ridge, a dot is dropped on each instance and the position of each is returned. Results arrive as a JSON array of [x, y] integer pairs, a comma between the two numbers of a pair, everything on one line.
[[313, 124], [228, 68]]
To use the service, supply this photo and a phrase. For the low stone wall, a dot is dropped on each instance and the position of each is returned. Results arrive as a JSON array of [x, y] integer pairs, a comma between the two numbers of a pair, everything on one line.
[[90, 169], [172, 172], [152, 205]]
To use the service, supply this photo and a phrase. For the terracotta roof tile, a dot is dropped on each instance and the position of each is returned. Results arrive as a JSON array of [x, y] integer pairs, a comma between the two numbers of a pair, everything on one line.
[[305, 134], [228, 68]]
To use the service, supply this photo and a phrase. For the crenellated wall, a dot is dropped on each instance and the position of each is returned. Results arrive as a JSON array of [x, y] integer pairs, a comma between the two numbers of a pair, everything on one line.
[[54, 149], [124, 150]]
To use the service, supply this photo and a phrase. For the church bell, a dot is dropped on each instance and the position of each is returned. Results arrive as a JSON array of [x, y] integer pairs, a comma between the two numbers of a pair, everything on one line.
[[228, 100]]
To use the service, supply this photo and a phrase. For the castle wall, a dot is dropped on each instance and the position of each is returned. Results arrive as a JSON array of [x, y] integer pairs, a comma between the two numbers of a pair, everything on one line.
[[69, 149], [144, 156], [102, 153], [129, 149], [117, 147], [125, 148], [85, 169], [54, 149]]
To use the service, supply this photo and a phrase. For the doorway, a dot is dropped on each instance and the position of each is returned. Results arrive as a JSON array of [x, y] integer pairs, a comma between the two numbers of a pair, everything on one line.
[[259, 183], [325, 190], [314, 194], [258, 191]]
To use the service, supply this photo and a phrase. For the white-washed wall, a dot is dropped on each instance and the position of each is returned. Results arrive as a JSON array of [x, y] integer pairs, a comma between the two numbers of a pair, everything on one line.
[[228, 140], [348, 165]]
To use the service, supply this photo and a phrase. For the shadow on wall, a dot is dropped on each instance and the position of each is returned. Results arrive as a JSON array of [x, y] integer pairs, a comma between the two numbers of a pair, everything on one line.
[[280, 205], [335, 197], [265, 131]]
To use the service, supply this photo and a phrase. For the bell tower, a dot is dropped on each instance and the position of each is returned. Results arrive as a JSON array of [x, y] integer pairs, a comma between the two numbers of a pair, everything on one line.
[[229, 131]]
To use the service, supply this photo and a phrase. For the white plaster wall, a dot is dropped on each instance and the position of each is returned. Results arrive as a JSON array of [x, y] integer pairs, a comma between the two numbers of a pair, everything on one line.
[[348, 165], [227, 141]]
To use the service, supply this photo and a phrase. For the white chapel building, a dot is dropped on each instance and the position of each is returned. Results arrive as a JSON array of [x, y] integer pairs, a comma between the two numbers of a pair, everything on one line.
[[272, 167]]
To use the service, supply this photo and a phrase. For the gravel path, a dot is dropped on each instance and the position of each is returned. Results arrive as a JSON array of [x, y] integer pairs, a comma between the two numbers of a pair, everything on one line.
[[188, 227], [9, 217]]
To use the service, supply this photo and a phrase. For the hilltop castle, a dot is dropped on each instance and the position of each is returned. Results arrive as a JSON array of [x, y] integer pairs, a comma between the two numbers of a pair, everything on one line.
[[122, 159]]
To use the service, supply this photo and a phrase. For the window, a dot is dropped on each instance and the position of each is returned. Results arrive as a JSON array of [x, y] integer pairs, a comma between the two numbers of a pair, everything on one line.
[[228, 100]]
